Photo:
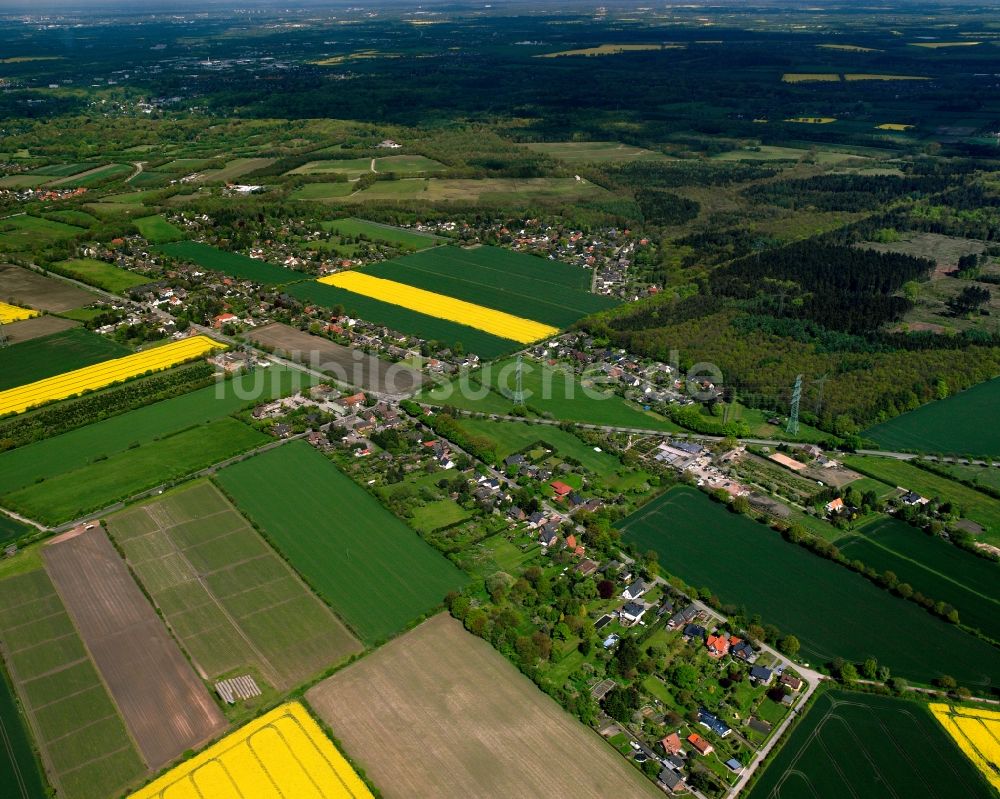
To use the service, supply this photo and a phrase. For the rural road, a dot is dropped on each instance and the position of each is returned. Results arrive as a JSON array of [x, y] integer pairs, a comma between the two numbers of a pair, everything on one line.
[[138, 171]]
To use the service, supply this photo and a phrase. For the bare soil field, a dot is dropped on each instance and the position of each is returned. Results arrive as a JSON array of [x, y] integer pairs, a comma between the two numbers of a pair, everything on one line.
[[36, 327], [165, 705], [228, 597], [32, 290], [349, 365], [438, 712]]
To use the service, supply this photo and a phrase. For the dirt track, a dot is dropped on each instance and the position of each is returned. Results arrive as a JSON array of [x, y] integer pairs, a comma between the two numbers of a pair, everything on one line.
[[346, 364], [165, 706], [438, 712]]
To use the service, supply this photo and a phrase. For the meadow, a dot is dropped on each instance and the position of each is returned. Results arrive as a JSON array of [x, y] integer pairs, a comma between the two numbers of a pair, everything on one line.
[[441, 306], [27, 232], [402, 319], [550, 391], [98, 273], [407, 164], [230, 263], [950, 426], [51, 457], [157, 230], [92, 177], [932, 566], [496, 191], [855, 745], [318, 192], [594, 152], [974, 505], [376, 573], [227, 596], [284, 749], [71, 494], [85, 748], [397, 237], [461, 721], [45, 357], [350, 168], [832, 611]]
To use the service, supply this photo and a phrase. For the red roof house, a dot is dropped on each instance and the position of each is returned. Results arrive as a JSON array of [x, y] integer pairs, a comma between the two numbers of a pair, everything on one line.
[[672, 744], [561, 488]]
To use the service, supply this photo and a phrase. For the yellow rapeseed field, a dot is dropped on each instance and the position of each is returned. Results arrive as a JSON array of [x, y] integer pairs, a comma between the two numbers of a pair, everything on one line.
[[977, 733], [12, 313], [893, 126], [283, 753], [498, 323], [810, 77], [69, 384], [812, 120]]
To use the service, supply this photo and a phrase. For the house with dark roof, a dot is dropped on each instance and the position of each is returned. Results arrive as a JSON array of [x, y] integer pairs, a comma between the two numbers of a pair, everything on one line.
[[586, 566], [635, 590], [734, 765], [632, 613], [743, 651], [792, 682], [671, 780], [761, 675], [685, 616], [712, 722], [692, 631]]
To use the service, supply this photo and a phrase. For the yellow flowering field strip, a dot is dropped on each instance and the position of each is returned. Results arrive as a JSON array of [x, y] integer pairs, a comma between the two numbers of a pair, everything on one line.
[[283, 753], [69, 384], [977, 733], [441, 306], [12, 313]]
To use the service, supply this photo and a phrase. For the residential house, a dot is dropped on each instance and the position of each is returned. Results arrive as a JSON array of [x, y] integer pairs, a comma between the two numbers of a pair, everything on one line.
[[761, 675], [693, 631], [742, 650], [792, 682], [672, 744], [536, 518], [632, 613], [671, 780], [834, 506], [685, 616], [516, 514], [712, 722], [353, 401], [547, 536], [734, 765], [718, 646], [635, 590], [700, 745], [561, 489], [912, 498], [586, 567]]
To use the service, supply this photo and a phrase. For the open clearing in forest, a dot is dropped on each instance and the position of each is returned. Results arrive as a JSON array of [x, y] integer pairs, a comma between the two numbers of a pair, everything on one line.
[[85, 748], [372, 569], [438, 712], [855, 745], [139, 662], [347, 364], [225, 593], [802, 593], [25, 287]]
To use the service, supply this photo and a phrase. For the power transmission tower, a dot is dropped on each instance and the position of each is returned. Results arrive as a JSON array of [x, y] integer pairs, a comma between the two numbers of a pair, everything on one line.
[[793, 416], [519, 390]]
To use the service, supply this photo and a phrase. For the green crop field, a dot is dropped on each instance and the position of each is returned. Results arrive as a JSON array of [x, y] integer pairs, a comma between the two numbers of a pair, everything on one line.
[[503, 192], [27, 232], [398, 237], [46, 459], [230, 263], [547, 390], [402, 319], [511, 437], [323, 191], [227, 596], [522, 285], [373, 570], [407, 164], [953, 426], [39, 358], [65, 170], [72, 494], [157, 230], [833, 611], [20, 772], [974, 505], [100, 274], [934, 567], [856, 745], [92, 178], [89, 754], [351, 168]]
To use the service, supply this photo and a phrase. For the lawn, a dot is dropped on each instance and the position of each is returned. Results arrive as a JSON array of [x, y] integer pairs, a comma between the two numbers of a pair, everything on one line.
[[511, 437], [228, 597], [74, 450], [157, 230], [374, 571], [88, 752], [803, 594], [952, 426], [551, 391], [101, 483], [974, 505], [397, 237], [404, 320], [230, 263], [934, 567], [857, 744], [40, 358], [100, 274], [437, 514]]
